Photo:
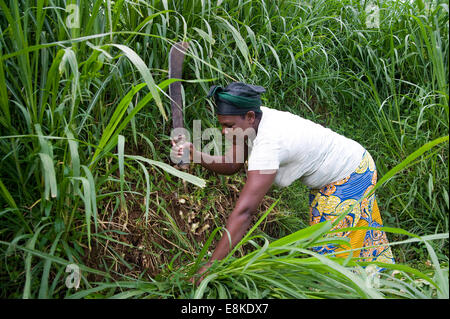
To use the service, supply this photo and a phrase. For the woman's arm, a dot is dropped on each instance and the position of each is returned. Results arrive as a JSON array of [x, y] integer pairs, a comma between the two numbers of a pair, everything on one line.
[[256, 187], [227, 164]]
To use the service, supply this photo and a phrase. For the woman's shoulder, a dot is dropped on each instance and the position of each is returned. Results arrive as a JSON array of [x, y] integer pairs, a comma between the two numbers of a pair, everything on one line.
[[284, 121]]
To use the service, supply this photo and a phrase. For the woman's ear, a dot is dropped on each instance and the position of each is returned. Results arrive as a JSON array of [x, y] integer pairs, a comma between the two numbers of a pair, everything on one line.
[[250, 117]]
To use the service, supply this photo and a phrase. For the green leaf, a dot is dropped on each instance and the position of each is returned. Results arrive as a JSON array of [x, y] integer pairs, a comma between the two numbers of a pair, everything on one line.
[[7, 196], [239, 40], [171, 170], [49, 176], [28, 274], [120, 153], [408, 160], [145, 72]]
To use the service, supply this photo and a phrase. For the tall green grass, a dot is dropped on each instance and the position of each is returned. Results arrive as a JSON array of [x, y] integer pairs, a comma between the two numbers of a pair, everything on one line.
[[84, 122]]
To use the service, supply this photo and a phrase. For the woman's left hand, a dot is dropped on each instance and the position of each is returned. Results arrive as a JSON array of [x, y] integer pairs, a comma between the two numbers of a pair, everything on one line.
[[200, 272]]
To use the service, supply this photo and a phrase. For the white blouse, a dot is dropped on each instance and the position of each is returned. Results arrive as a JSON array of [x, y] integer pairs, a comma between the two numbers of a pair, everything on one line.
[[299, 148]]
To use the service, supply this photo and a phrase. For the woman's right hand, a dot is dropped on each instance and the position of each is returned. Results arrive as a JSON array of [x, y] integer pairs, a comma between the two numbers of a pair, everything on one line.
[[181, 149]]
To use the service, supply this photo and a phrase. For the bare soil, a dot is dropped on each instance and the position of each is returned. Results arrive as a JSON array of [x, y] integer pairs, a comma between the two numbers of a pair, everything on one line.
[[146, 247]]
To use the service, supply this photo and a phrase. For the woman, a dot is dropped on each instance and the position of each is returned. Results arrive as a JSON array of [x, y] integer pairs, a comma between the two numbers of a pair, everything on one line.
[[286, 147]]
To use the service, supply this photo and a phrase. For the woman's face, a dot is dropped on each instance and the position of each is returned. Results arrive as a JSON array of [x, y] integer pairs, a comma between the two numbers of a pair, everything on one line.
[[236, 125], [231, 122]]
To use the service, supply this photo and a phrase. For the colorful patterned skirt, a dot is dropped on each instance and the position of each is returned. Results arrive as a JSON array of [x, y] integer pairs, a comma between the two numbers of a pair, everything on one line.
[[329, 202]]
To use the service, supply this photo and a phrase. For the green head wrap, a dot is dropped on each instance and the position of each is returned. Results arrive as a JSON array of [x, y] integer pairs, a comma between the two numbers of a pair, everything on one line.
[[237, 98]]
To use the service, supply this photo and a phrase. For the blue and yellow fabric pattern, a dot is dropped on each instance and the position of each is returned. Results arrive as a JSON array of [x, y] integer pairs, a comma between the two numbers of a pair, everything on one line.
[[329, 202]]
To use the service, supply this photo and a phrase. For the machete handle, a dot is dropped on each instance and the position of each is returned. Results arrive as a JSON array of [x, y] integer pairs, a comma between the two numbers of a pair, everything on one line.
[[184, 162]]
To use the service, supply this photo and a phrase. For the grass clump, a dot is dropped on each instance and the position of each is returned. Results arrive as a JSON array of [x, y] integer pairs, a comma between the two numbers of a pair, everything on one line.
[[84, 144]]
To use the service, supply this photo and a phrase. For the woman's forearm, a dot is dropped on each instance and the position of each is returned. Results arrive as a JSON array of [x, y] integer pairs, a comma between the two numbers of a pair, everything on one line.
[[217, 164], [237, 226], [256, 186]]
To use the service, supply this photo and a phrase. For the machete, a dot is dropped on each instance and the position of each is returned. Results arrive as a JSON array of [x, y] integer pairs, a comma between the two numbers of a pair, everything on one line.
[[176, 58]]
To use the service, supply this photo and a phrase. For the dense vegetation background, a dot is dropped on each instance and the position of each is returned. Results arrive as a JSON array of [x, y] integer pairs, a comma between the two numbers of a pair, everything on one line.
[[84, 146]]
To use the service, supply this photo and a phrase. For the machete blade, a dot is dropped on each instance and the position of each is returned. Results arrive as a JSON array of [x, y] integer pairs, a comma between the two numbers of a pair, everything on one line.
[[176, 58]]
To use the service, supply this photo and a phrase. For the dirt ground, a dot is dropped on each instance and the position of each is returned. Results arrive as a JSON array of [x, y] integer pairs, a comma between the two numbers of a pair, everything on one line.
[[138, 246]]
